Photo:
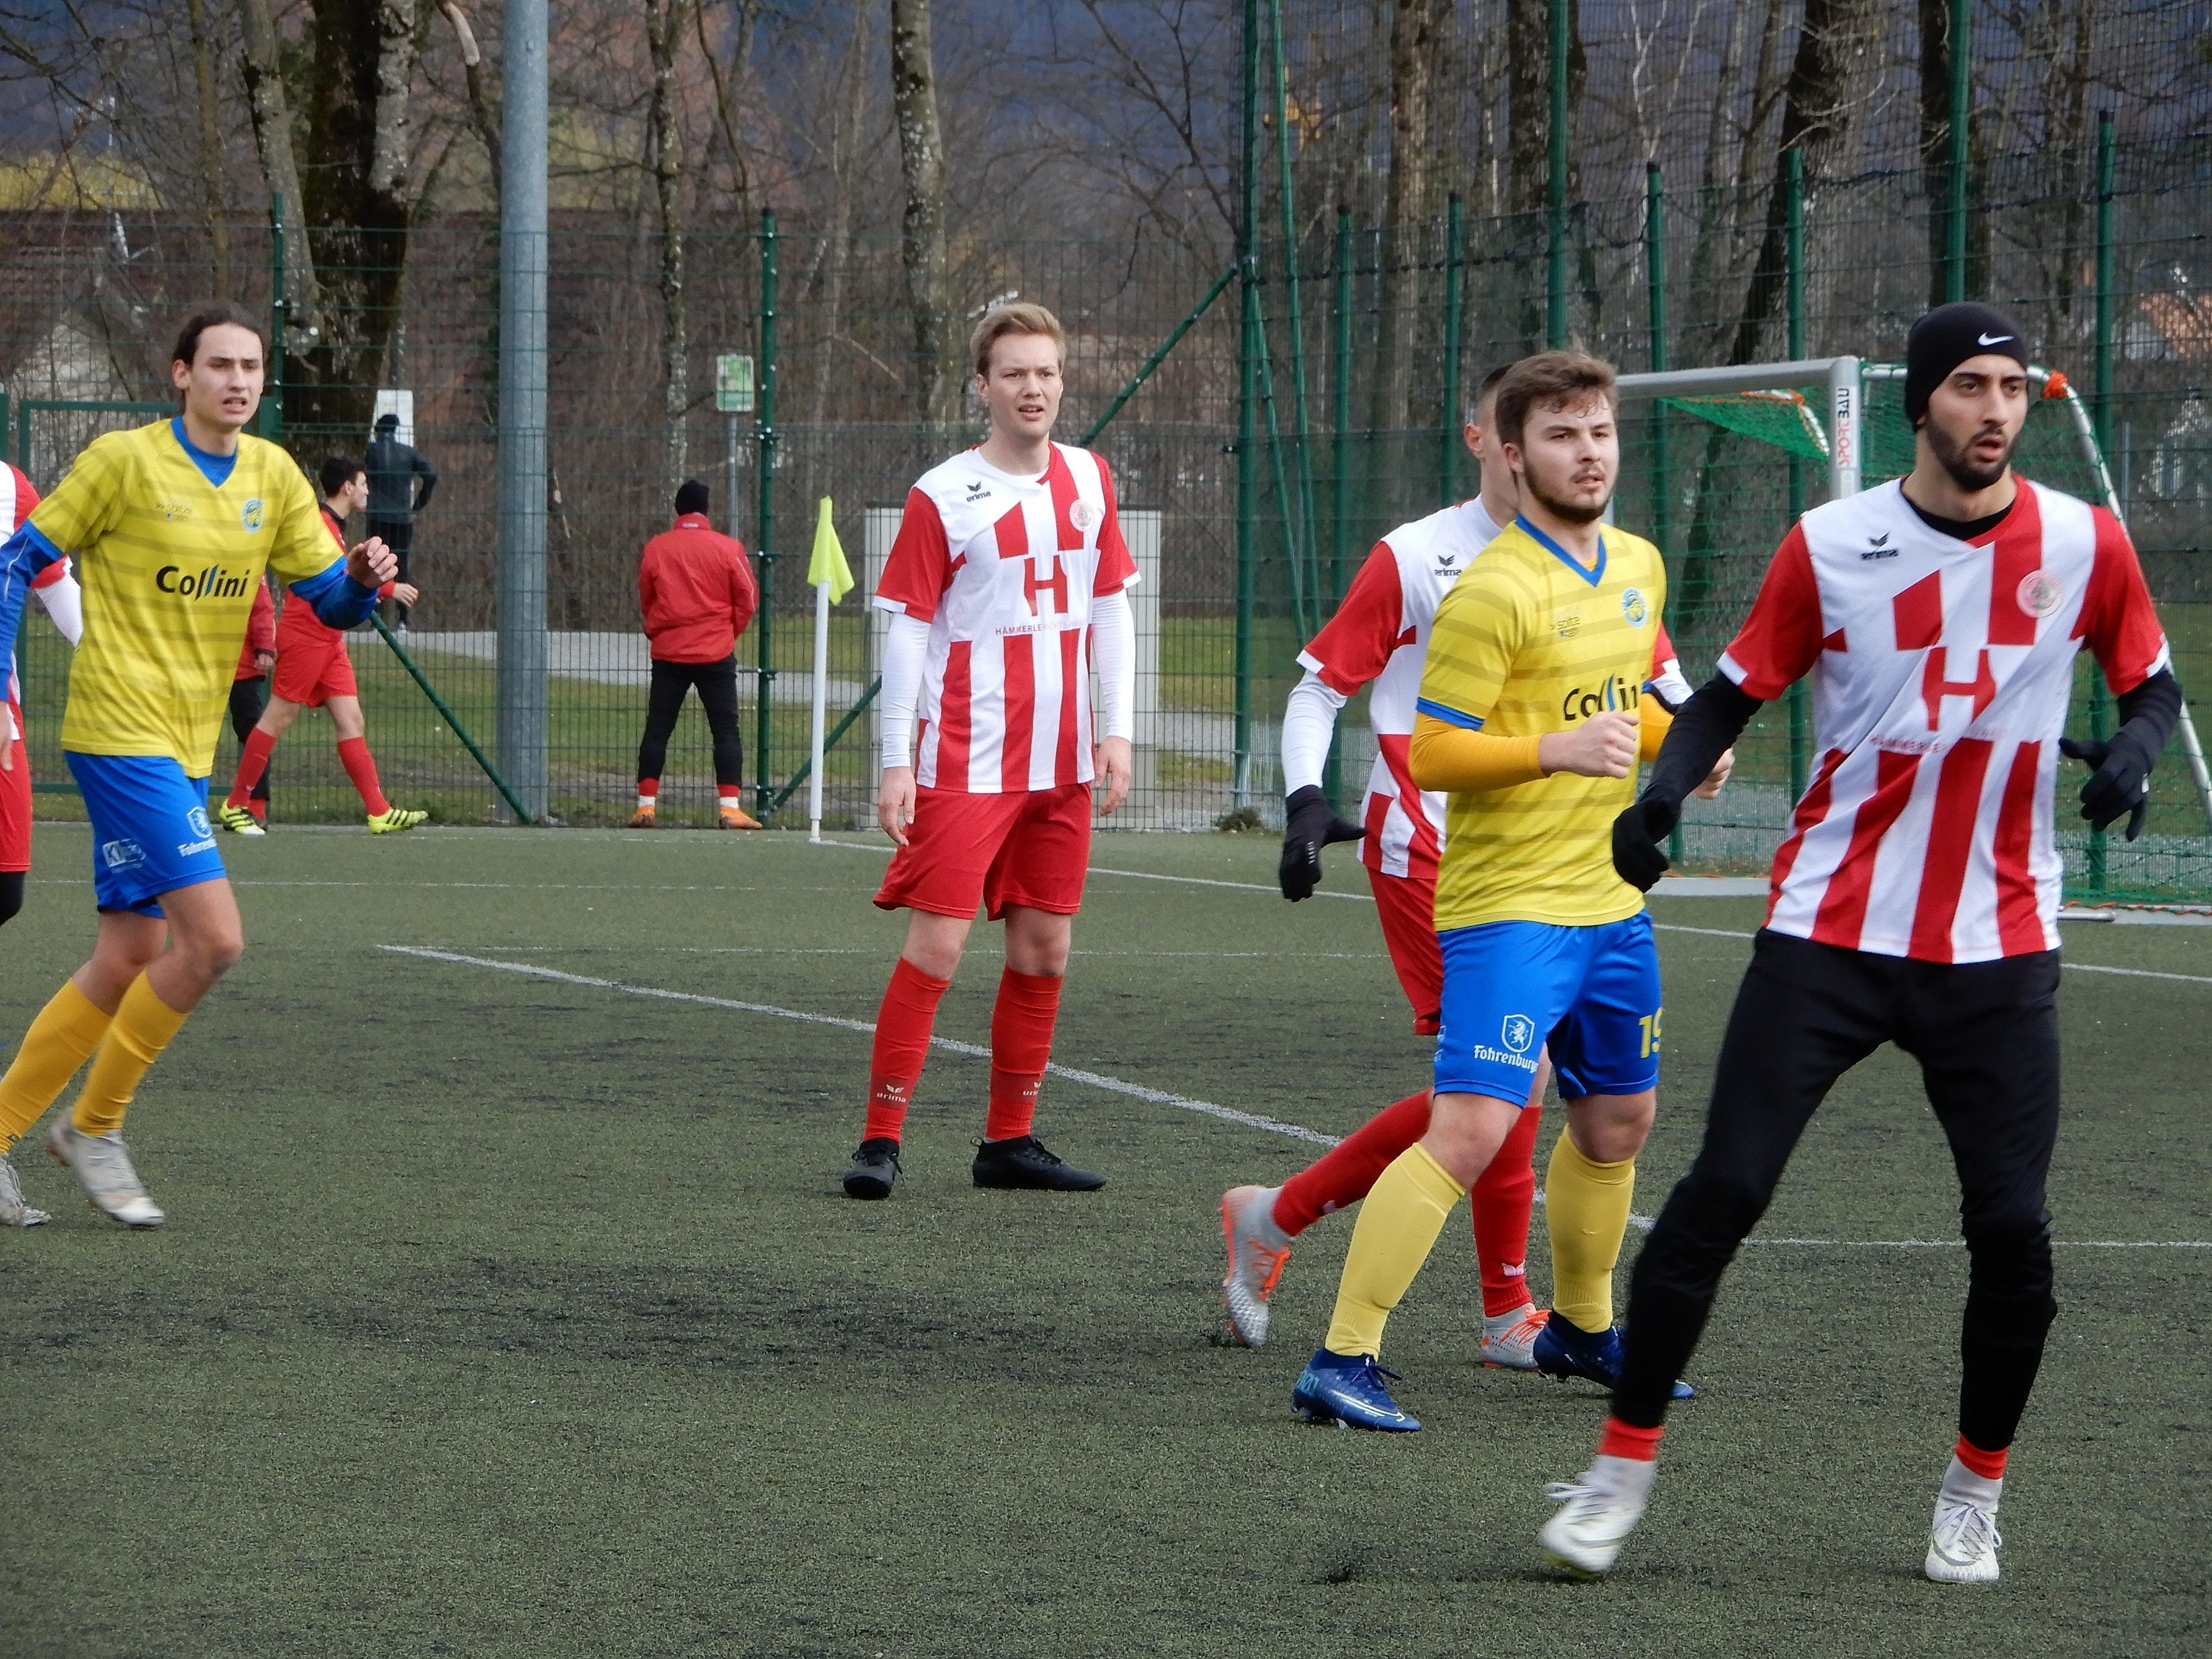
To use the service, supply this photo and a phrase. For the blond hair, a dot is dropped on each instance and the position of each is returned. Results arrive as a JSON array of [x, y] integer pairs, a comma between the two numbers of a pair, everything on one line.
[[1550, 380], [1021, 318]]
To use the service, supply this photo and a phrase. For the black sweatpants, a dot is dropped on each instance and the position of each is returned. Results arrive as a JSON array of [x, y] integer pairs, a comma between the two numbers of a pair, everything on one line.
[[1986, 1037], [399, 535], [718, 694], [248, 698]]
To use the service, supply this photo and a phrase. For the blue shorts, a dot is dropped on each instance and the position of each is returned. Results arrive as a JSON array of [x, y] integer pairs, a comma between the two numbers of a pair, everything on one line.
[[150, 834], [1513, 988]]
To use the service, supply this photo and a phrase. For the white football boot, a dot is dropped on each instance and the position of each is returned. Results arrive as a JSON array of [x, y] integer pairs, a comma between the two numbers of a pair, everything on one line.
[[1257, 1250], [102, 1164], [1963, 1541], [1597, 1512], [14, 1213], [1509, 1340]]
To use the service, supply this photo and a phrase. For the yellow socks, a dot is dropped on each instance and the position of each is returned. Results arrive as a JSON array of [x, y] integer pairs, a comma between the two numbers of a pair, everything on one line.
[[1586, 1206], [143, 1026], [61, 1039], [1399, 1222]]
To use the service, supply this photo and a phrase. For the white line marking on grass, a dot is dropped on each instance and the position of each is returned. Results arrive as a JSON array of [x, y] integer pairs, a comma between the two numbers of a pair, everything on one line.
[[1074, 1074], [1162, 1096]]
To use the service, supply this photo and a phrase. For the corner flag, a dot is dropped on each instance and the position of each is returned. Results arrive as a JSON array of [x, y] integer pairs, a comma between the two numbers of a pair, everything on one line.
[[828, 563]]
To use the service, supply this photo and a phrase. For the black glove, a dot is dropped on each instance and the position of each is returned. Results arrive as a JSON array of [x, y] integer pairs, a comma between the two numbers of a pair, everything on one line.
[[1636, 834], [1309, 826], [2120, 781]]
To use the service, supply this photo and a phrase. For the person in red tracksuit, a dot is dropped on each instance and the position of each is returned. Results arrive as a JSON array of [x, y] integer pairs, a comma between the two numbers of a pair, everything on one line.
[[696, 593], [249, 687]]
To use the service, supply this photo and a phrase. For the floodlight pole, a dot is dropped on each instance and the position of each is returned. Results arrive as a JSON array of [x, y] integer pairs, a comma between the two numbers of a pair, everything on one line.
[[522, 408]]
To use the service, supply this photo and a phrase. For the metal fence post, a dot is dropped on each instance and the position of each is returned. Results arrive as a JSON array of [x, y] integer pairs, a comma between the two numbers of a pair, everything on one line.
[[1794, 289], [1247, 403], [2100, 408], [522, 409], [1296, 321], [1339, 460], [271, 423], [1954, 211], [1448, 450], [764, 514], [1654, 286], [1555, 192]]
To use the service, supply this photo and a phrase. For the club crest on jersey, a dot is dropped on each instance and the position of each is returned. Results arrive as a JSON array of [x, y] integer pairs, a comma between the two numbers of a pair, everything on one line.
[[249, 516], [1632, 608], [1084, 516], [1517, 1033], [2039, 595]]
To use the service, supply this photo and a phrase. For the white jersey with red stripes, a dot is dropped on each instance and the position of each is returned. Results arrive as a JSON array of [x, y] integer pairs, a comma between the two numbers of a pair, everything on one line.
[[1379, 636], [1941, 672], [1004, 570]]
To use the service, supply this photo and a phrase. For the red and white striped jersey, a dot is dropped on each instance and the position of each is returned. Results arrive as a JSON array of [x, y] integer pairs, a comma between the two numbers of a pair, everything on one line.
[[1379, 636], [1942, 670], [1004, 570]]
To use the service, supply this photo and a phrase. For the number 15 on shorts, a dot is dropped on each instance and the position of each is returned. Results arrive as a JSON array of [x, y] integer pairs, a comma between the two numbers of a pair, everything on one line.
[[1650, 1024]]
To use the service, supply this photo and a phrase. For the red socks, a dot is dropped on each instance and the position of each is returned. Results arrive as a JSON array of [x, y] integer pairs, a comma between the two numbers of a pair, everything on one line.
[[1502, 1197], [1989, 1465], [252, 762], [902, 1026], [1342, 1175], [1620, 1439], [1021, 1043], [360, 767]]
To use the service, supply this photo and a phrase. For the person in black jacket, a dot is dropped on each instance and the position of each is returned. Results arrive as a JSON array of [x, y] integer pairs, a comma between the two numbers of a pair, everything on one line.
[[394, 498]]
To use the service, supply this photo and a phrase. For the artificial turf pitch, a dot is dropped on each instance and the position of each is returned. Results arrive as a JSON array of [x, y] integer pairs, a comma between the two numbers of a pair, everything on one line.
[[501, 1315]]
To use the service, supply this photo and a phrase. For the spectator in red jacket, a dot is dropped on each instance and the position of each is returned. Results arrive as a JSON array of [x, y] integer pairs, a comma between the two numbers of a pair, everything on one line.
[[249, 688], [696, 593]]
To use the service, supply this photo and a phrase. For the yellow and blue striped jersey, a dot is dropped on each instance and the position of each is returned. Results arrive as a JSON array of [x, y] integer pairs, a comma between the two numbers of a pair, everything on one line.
[[169, 560], [1530, 641]]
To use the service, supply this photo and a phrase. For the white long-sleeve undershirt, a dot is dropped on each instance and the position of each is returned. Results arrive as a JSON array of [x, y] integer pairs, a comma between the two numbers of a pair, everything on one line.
[[906, 649], [1308, 725], [63, 601], [1114, 654]]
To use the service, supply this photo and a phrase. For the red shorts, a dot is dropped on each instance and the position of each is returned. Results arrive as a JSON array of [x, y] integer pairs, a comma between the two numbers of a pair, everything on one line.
[[1408, 908], [16, 806], [312, 673], [1031, 848]]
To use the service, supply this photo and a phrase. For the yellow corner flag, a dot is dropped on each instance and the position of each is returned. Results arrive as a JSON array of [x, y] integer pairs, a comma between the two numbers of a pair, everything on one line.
[[827, 564]]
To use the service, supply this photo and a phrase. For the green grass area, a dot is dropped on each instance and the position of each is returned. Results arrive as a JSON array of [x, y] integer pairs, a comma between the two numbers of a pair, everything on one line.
[[503, 1315]]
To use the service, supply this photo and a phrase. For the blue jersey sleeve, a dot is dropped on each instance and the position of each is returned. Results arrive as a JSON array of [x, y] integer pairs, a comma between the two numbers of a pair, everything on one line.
[[22, 557], [339, 601]]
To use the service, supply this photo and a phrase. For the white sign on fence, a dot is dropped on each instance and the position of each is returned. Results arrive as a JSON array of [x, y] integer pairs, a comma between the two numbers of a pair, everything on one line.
[[733, 384]]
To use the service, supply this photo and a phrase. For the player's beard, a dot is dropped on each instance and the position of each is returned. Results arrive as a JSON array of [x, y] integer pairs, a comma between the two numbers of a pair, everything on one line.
[[1968, 474], [1574, 512]]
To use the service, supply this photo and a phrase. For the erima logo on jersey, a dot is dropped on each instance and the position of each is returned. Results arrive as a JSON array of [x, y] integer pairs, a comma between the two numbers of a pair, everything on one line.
[[978, 490], [1878, 547], [1580, 705], [249, 516], [212, 583]]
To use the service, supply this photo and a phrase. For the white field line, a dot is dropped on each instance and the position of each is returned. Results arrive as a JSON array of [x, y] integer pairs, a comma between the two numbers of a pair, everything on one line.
[[1140, 1091]]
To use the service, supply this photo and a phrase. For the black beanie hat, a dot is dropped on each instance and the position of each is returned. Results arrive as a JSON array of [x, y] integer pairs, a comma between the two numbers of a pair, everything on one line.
[[1946, 337], [387, 422], [690, 497]]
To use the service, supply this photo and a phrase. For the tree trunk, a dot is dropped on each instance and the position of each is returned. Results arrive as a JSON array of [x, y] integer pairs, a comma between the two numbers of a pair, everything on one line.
[[1935, 157], [210, 143], [664, 29], [728, 91], [1416, 36], [483, 113], [844, 150], [271, 113], [922, 251], [358, 154], [1837, 50]]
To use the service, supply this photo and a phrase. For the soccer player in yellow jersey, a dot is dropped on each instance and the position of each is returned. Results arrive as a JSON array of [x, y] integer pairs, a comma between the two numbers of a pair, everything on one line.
[[1532, 715], [171, 526]]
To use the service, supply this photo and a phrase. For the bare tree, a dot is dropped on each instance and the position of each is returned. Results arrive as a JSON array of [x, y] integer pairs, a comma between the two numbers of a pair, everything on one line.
[[922, 248], [483, 114], [663, 32], [210, 145], [1416, 28], [270, 109]]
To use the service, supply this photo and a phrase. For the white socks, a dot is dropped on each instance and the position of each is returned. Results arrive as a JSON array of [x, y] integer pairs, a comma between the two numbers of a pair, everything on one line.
[[1962, 1485], [1627, 1477], [1262, 1213]]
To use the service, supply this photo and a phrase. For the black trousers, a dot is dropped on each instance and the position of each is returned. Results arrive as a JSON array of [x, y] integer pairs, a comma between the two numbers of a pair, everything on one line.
[[717, 682], [399, 535], [1986, 1037], [248, 697]]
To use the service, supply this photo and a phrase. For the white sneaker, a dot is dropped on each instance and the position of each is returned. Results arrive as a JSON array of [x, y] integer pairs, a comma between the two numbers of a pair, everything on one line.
[[14, 1213], [1963, 1544], [1595, 1519], [103, 1165], [1509, 1340], [1256, 1261]]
